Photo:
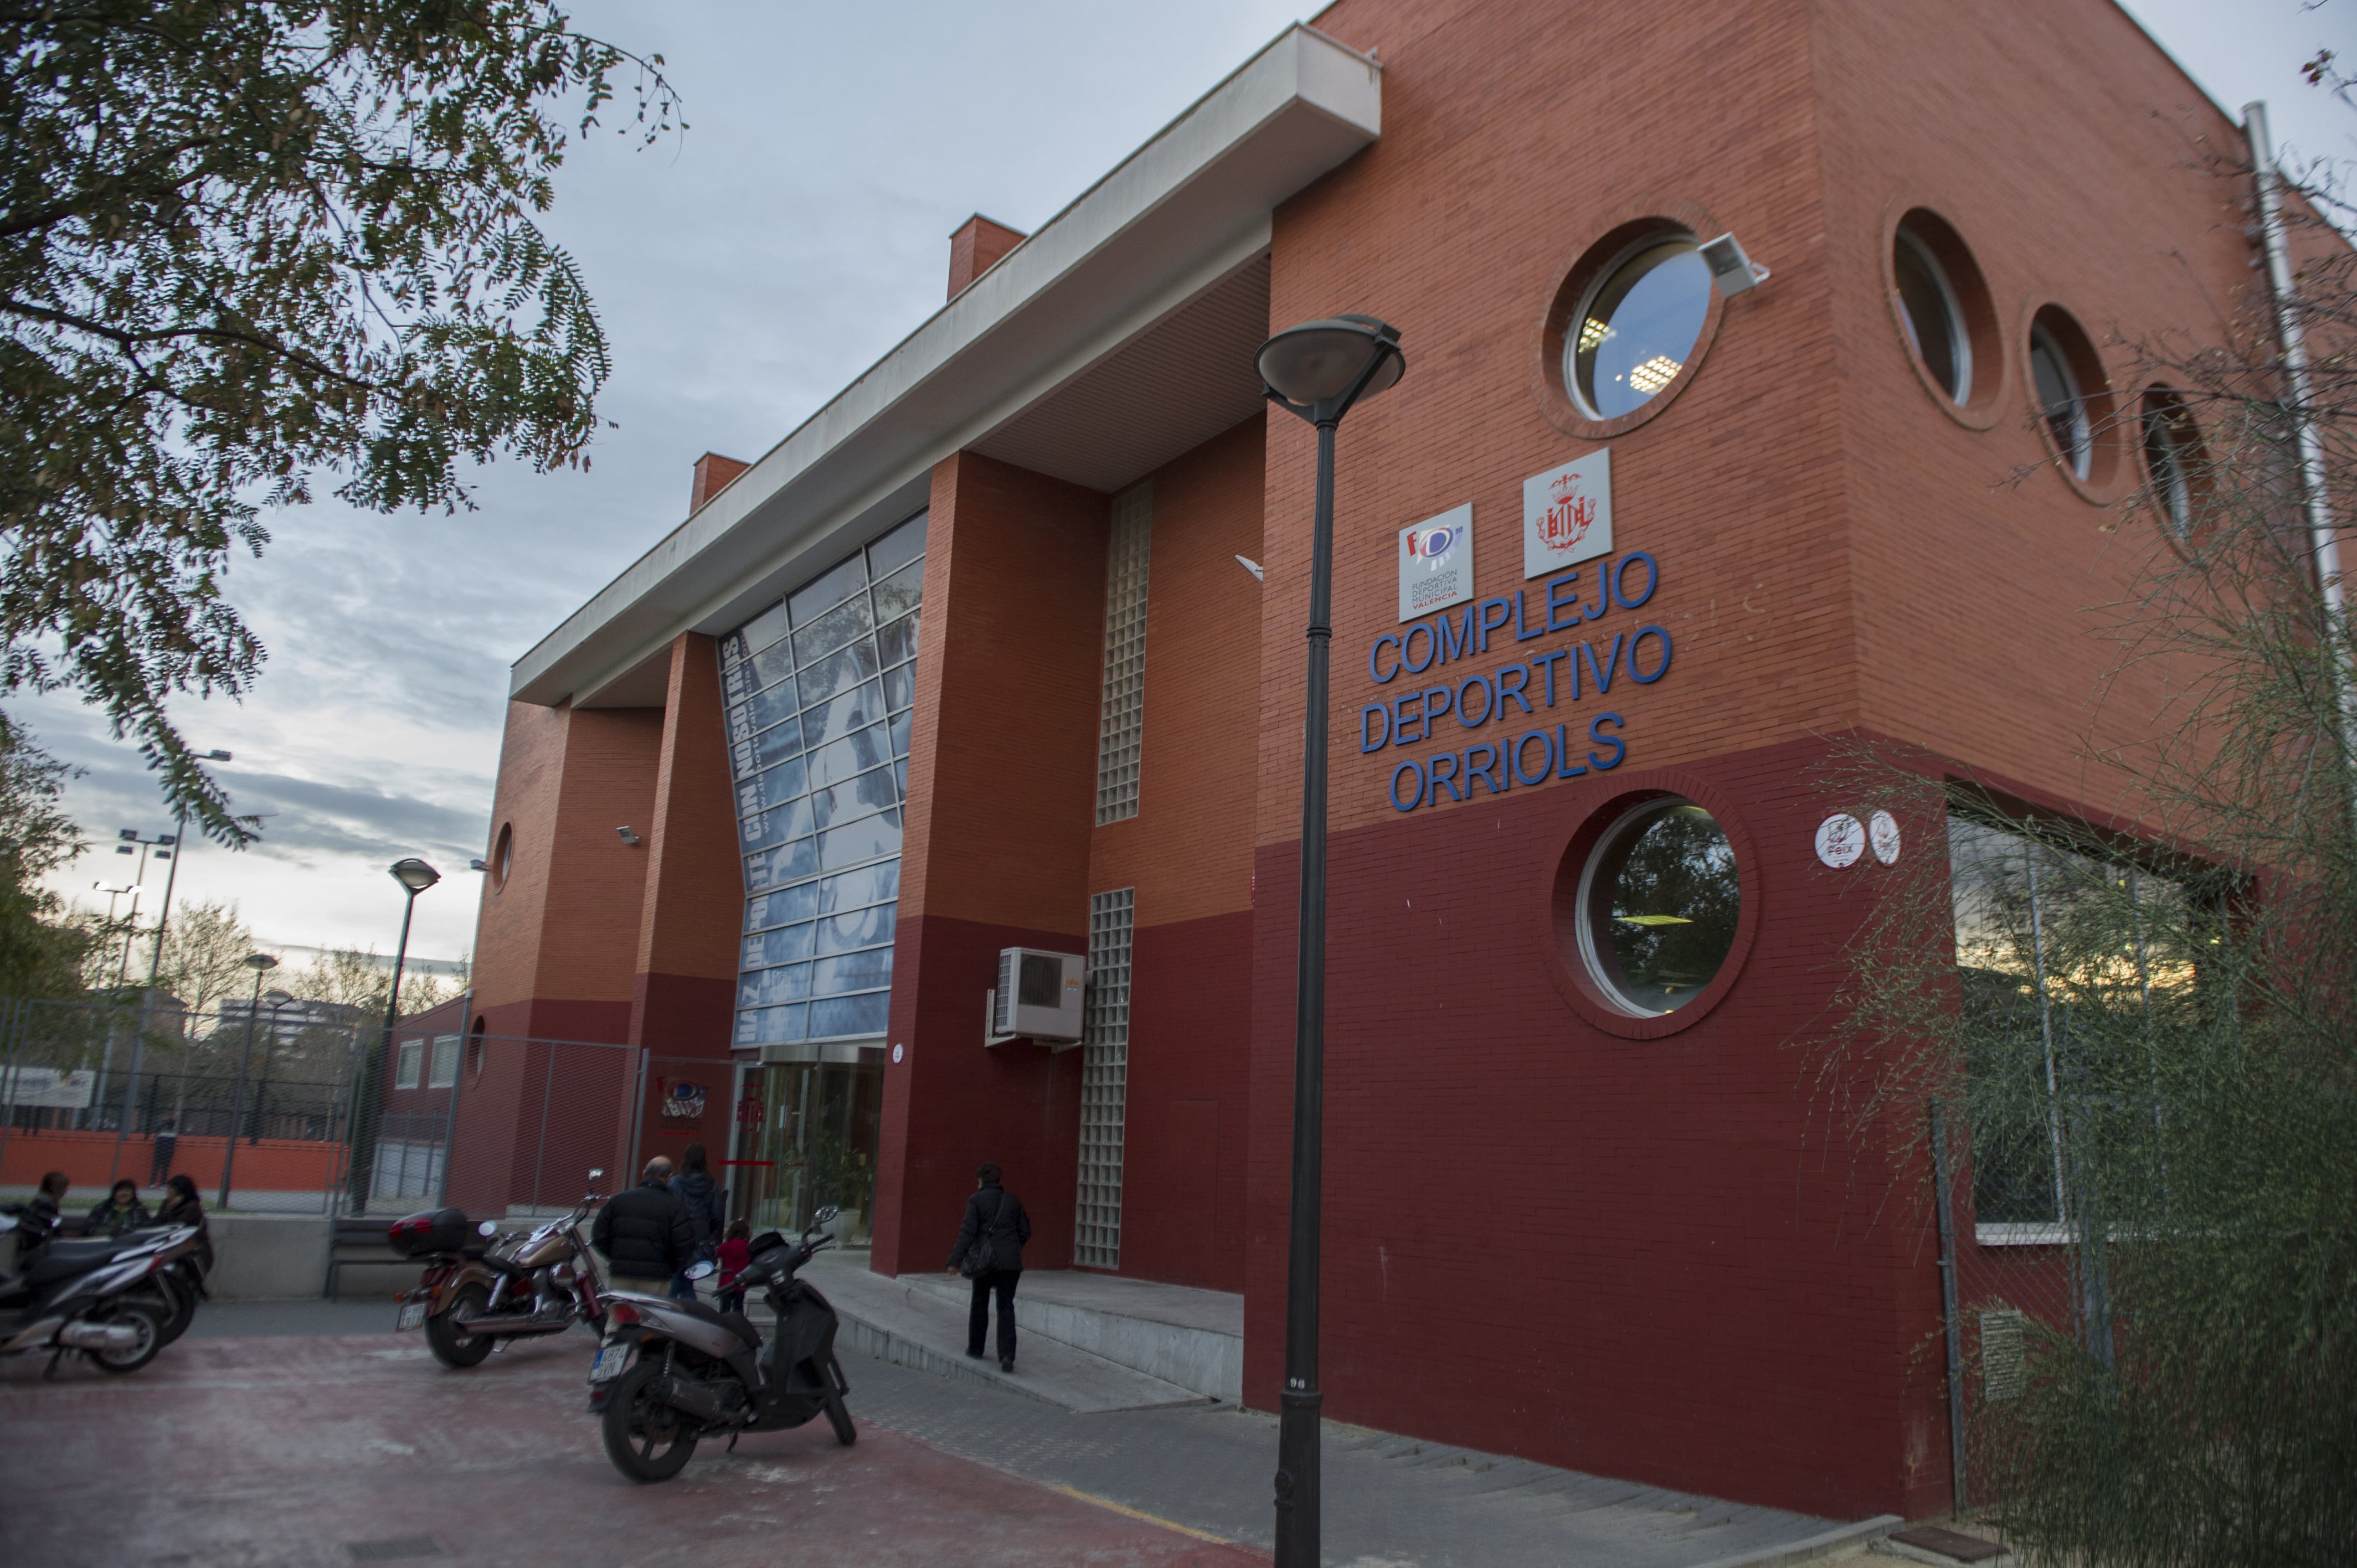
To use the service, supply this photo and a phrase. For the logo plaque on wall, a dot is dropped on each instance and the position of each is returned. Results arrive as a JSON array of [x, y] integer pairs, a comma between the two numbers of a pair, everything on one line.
[[1567, 514], [1436, 562], [683, 1101]]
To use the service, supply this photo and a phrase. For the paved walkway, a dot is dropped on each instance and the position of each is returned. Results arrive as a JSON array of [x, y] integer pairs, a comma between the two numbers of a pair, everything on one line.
[[286, 1434]]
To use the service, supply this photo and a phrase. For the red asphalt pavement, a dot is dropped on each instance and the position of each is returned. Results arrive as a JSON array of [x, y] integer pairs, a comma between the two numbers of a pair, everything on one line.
[[288, 1451]]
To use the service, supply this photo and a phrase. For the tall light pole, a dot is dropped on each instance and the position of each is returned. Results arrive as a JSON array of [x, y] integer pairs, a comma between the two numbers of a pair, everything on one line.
[[414, 876], [1317, 371], [262, 963], [277, 999]]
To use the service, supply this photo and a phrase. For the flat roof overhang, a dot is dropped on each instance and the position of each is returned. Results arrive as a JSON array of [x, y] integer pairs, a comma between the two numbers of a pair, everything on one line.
[[1181, 226]]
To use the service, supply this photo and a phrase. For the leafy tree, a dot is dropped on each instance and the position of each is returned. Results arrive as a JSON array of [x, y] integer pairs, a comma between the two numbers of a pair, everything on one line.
[[363, 980], [205, 948], [43, 946], [247, 245], [2148, 1039]]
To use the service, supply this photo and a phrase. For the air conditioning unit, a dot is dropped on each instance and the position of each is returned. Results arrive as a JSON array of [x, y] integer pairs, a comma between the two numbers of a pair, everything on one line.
[[1038, 995]]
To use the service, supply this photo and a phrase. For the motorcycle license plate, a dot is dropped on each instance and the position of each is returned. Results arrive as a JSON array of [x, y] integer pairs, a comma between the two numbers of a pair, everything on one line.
[[412, 1313], [612, 1360]]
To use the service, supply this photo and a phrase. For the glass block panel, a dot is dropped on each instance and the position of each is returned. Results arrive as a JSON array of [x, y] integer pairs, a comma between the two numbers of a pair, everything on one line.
[[1104, 1079], [1120, 729], [850, 1014], [786, 944], [830, 588]]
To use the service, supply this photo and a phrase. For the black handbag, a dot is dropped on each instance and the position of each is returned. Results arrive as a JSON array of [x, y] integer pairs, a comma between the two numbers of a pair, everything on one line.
[[982, 1257]]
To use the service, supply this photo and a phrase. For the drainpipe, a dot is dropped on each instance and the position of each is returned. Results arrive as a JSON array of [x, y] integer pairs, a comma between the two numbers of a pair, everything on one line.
[[2316, 501]]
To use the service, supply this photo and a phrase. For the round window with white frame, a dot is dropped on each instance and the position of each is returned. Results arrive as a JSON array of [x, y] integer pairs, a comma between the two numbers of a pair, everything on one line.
[[1660, 899], [1637, 326], [2061, 402], [1932, 315]]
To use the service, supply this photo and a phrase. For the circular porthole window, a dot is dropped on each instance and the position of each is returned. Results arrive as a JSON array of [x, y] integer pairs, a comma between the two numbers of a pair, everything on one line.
[[2075, 406], [2172, 458], [2060, 402], [1933, 317], [502, 856], [1659, 902], [1637, 326]]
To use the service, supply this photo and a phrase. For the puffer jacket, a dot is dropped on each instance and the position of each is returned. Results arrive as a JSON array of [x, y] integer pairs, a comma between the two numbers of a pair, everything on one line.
[[645, 1232], [701, 1196], [995, 1211]]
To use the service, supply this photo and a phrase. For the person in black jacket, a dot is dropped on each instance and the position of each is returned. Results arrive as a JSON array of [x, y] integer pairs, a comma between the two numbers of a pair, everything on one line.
[[995, 1221], [645, 1233], [122, 1211], [695, 1188]]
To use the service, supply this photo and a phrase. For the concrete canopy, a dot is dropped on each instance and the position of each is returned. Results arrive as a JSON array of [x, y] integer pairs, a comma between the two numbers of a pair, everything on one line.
[[1112, 339]]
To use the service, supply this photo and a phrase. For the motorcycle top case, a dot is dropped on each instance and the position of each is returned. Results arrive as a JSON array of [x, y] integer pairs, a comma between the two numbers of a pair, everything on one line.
[[431, 1230]]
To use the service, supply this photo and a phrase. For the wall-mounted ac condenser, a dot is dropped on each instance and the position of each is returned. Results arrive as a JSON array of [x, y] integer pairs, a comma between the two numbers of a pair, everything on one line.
[[1038, 995]]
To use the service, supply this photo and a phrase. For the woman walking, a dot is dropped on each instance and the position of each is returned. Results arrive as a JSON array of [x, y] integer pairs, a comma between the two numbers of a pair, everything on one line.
[[989, 1251]]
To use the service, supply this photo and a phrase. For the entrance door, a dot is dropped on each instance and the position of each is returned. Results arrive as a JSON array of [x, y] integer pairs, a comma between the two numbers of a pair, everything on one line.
[[817, 1144]]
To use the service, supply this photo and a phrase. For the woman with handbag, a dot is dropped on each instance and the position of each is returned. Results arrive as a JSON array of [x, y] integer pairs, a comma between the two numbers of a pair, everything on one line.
[[989, 1251]]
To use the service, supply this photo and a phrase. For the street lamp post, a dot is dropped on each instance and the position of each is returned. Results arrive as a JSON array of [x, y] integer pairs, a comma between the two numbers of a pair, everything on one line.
[[414, 876], [147, 998], [262, 963], [1317, 371], [277, 999]]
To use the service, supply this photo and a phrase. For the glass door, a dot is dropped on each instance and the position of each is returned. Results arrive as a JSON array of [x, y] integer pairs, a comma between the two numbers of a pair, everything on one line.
[[816, 1140]]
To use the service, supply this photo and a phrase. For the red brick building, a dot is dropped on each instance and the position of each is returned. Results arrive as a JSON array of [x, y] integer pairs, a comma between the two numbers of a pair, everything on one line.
[[1579, 1204]]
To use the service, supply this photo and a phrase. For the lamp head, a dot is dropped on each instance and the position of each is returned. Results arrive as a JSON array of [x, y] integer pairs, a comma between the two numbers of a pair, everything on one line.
[[1318, 360], [260, 962], [278, 998], [414, 875]]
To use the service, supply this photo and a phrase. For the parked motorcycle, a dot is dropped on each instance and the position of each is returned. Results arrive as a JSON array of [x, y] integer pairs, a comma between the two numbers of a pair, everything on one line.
[[671, 1373], [482, 1287], [178, 1283], [79, 1295]]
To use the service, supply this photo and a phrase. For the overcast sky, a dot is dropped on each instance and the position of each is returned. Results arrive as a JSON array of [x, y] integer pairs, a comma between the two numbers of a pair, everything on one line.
[[745, 273]]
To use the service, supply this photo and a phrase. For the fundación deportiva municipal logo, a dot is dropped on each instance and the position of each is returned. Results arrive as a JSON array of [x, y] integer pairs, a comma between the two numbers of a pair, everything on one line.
[[1436, 562]]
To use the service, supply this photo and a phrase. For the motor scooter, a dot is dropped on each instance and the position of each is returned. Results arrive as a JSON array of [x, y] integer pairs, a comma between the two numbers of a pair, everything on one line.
[[671, 1373], [483, 1286], [77, 1295]]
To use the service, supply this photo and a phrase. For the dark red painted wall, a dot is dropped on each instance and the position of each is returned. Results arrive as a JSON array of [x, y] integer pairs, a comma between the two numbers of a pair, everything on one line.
[[1639, 1258], [951, 1103], [1188, 1117]]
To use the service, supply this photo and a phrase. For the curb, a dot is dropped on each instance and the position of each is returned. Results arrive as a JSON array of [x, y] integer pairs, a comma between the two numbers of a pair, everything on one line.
[[1815, 1546]]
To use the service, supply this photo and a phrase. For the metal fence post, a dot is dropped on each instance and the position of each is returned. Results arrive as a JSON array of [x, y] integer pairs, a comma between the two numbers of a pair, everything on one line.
[[540, 1154], [1942, 1195], [638, 1112], [12, 1019]]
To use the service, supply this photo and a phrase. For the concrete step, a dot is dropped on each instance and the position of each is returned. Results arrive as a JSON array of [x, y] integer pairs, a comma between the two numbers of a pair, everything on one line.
[[1178, 1333], [892, 1321]]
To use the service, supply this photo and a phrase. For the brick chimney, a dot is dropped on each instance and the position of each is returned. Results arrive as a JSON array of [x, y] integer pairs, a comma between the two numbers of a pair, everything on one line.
[[712, 473], [975, 248]]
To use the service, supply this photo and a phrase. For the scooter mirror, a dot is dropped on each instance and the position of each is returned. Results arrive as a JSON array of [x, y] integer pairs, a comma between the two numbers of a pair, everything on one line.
[[825, 1216], [597, 1170], [703, 1270], [488, 1227]]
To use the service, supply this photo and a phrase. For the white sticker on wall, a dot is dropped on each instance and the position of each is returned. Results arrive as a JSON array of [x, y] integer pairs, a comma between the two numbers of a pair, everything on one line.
[[896, 1050], [1882, 829], [1436, 562], [1840, 839], [1567, 514]]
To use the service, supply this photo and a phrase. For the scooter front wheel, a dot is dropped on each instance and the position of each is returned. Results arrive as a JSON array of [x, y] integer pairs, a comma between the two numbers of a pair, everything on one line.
[[146, 1317], [646, 1439]]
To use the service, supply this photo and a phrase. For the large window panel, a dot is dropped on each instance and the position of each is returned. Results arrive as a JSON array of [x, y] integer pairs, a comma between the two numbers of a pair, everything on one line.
[[822, 780]]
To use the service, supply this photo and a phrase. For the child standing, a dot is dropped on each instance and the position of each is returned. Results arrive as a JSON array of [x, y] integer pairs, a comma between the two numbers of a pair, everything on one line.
[[736, 1252]]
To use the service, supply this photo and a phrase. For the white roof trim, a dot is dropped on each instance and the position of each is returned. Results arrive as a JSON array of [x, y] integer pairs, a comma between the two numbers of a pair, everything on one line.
[[1176, 217]]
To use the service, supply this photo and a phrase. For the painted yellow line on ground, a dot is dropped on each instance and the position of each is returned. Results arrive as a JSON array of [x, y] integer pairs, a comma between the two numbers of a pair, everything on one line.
[[1142, 1514]]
